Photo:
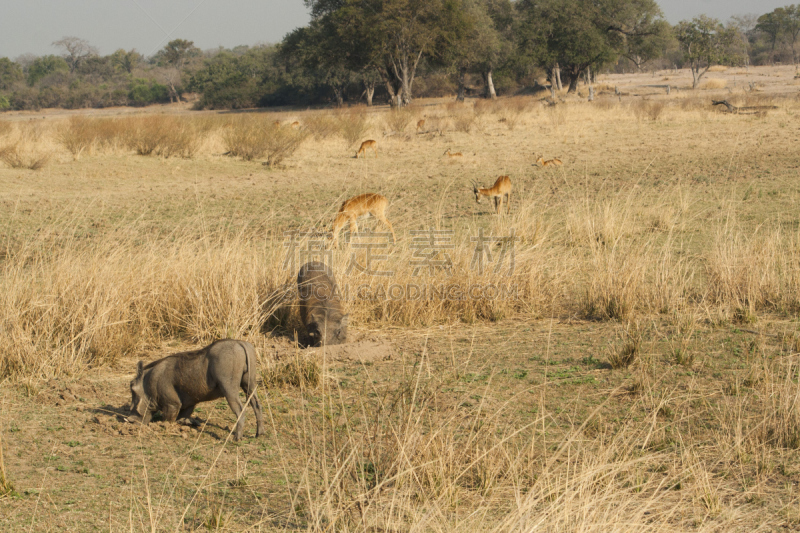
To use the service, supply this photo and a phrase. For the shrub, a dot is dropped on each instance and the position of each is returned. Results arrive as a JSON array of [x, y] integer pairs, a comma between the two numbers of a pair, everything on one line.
[[322, 125], [648, 109], [398, 119], [512, 110], [251, 138], [16, 155], [463, 116], [78, 135], [352, 125]]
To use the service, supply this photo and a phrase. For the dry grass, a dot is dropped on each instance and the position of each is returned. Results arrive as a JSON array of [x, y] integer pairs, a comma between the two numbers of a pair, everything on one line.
[[714, 83], [352, 125], [651, 245], [300, 371], [17, 155], [163, 135], [255, 137], [513, 109], [6, 487], [399, 118], [5, 127], [648, 109]]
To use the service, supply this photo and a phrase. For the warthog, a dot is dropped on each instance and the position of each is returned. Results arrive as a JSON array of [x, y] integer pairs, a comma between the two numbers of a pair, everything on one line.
[[320, 305], [178, 382]]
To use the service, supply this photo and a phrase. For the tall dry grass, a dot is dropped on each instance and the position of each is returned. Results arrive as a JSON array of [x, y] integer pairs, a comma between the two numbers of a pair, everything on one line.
[[253, 137], [351, 125], [23, 147]]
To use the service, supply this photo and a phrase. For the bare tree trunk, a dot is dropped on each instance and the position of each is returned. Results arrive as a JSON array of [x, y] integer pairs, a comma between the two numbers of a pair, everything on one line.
[[394, 101], [369, 89], [337, 90], [490, 92], [557, 74], [462, 82]]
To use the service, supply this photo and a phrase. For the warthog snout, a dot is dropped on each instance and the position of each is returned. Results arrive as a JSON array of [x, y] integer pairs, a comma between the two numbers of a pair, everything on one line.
[[320, 305]]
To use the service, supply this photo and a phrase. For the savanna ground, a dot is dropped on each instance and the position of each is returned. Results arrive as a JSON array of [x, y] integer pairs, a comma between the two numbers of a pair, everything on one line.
[[642, 375]]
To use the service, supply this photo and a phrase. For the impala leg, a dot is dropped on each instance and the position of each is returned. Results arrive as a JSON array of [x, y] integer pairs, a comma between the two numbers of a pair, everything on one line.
[[353, 225], [375, 147], [388, 224], [508, 201]]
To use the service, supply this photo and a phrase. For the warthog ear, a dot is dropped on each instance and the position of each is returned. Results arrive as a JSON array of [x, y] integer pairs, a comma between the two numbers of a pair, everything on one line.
[[139, 368]]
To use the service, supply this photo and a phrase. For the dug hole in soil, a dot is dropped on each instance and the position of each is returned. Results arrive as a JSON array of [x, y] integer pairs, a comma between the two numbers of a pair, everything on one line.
[[365, 349]]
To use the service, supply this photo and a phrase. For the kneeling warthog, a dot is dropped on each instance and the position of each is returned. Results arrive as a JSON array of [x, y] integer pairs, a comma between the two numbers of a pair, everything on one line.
[[320, 305], [175, 384]]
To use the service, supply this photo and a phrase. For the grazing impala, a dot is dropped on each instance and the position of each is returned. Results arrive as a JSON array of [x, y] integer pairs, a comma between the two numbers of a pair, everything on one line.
[[277, 123], [549, 163], [360, 206], [448, 153], [367, 144], [295, 124], [420, 124], [500, 188]]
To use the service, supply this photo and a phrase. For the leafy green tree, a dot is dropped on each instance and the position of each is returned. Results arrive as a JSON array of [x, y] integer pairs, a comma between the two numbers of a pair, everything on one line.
[[744, 25], [391, 36], [10, 74], [577, 35], [173, 60], [643, 48], [45, 65], [126, 61], [319, 48], [238, 81], [789, 17], [770, 25], [704, 43]]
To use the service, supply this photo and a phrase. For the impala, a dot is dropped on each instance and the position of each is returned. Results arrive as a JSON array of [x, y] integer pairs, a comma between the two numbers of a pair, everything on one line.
[[448, 153], [295, 124], [420, 124], [361, 206], [550, 162], [367, 144], [501, 187]]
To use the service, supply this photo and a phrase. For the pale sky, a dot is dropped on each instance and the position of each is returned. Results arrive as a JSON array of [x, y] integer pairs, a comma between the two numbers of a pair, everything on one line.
[[30, 26]]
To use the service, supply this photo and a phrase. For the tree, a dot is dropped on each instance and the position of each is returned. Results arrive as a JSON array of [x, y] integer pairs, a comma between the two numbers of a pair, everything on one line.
[[641, 49], [704, 43], [391, 36], [173, 59], [576, 35], [45, 65], [789, 17], [770, 25], [10, 74], [76, 51], [126, 61], [319, 48], [744, 24]]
